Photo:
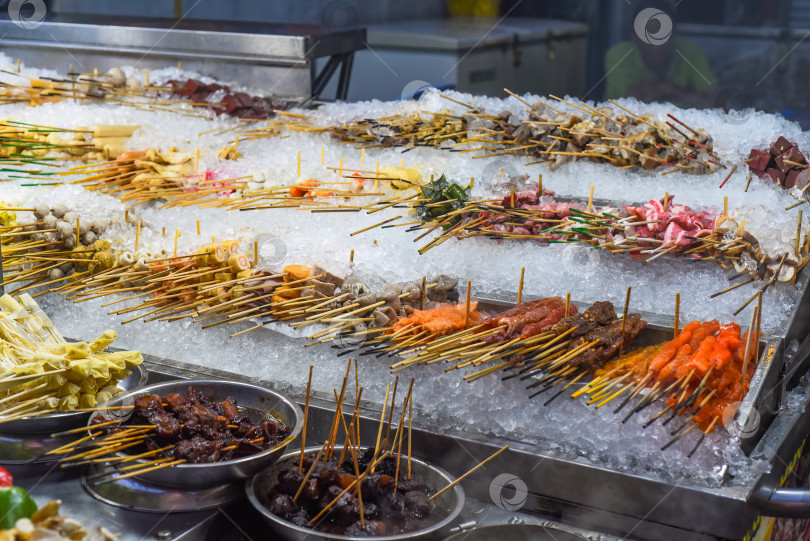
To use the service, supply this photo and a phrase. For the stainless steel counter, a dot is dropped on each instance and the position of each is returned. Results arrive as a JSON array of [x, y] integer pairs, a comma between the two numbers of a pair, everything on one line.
[[235, 521], [560, 490], [272, 57]]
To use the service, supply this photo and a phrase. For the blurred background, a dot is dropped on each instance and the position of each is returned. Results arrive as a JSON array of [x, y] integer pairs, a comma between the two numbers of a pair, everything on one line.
[[722, 53]]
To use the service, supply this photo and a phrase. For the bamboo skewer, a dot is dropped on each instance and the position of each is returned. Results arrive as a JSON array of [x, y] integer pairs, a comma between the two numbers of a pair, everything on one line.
[[748, 343], [142, 471], [677, 323], [480, 464], [311, 469], [624, 318], [306, 420]]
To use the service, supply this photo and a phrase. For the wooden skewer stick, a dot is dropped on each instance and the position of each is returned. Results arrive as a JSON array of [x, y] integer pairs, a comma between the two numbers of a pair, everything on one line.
[[764, 287], [807, 238], [567, 303], [142, 471], [353, 450], [410, 427], [519, 293], [310, 470], [596, 383], [69, 447], [590, 199], [748, 343], [624, 317], [83, 428], [348, 488], [125, 468], [401, 431], [382, 420], [677, 313], [338, 411], [735, 286], [467, 316], [759, 321], [306, 418], [678, 437], [456, 101], [799, 237], [125, 459], [105, 449], [703, 435], [501, 450], [728, 176], [375, 225], [391, 414]]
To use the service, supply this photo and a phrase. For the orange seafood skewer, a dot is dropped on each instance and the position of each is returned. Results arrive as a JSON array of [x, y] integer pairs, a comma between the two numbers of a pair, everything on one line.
[[440, 321]]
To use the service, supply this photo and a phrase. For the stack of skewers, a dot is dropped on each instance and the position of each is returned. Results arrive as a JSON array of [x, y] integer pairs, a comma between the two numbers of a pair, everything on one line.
[[618, 136], [545, 339], [43, 374], [703, 373]]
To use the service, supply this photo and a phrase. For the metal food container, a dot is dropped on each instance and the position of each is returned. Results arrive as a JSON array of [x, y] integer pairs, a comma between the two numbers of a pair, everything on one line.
[[449, 504], [197, 476], [759, 406]]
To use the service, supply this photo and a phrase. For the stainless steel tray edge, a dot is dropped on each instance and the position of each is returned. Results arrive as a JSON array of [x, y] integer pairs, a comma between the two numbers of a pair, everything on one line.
[[554, 481]]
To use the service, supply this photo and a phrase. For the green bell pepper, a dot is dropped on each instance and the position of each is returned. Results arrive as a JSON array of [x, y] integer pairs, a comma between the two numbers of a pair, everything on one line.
[[14, 504]]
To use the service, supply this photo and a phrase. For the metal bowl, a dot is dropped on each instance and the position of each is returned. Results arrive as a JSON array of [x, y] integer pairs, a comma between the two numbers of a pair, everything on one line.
[[197, 476], [56, 422], [449, 504]]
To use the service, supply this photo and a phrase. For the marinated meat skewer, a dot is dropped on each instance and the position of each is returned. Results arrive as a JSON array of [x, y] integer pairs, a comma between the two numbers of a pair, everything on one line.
[[527, 319], [200, 429], [599, 322]]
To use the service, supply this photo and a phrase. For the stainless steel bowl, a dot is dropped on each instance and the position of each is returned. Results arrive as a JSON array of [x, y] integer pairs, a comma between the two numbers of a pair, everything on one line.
[[56, 422], [449, 504], [196, 476]]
